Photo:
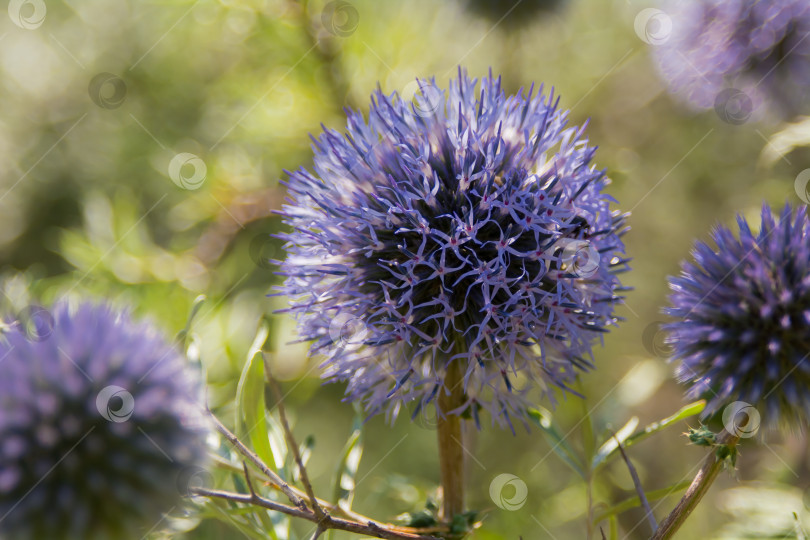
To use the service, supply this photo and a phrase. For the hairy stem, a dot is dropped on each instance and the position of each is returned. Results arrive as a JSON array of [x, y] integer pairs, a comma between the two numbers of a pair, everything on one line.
[[451, 449], [700, 485]]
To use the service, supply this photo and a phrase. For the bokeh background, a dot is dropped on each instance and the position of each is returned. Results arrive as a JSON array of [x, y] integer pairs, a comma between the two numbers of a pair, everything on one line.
[[142, 145]]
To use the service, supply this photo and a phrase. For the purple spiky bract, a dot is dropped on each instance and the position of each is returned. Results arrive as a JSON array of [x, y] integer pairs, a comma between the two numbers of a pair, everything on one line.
[[743, 310], [101, 424], [759, 48], [462, 226]]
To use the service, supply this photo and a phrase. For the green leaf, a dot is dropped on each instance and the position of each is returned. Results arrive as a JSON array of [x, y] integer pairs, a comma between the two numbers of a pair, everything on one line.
[[542, 417], [634, 501], [611, 445], [250, 414], [686, 411], [794, 135], [265, 522], [229, 517], [347, 468], [182, 335], [278, 446], [305, 452]]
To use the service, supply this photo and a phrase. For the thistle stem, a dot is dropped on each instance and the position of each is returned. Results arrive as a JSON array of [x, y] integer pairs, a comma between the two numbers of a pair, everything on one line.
[[451, 448], [700, 485]]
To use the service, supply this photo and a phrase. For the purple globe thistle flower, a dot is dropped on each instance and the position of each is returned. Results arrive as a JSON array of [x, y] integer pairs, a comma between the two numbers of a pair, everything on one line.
[[101, 427], [738, 55], [743, 313], [468, 227]]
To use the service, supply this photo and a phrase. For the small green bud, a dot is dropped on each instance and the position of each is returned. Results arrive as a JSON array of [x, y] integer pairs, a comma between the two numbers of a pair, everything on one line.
[[702, 436]]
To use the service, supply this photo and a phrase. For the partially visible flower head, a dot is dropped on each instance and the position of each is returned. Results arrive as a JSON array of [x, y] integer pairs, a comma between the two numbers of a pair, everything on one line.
[[743, 310], [465, 226], [755, 51], [100, 423]]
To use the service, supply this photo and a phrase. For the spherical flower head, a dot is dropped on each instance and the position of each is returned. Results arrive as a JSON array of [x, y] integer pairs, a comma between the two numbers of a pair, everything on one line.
[[101, 425], [465, 226], [743, 311], [739, 56]]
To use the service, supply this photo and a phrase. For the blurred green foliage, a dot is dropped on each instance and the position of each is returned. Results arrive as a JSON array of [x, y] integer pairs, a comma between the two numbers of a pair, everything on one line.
[[88, 208]]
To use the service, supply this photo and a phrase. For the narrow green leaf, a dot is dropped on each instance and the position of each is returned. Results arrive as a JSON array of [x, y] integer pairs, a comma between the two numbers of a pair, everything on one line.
[[611, 445], [250, 414], [264, 522], [278, 445], [182, 335], [634, 501], [542, 417], [686, 411], [217, 512], [346, 470], [305, 451]]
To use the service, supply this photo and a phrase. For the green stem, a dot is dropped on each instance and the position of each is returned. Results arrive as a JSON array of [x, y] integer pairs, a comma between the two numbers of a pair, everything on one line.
[[451, 449], [700, 485], [589, 446]]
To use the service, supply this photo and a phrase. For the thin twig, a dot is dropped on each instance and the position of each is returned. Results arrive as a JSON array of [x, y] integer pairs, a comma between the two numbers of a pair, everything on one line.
[[370, 528], [247, 479], [636, 482], [347, 513], [313, 501], [257, 461], [700, 485]]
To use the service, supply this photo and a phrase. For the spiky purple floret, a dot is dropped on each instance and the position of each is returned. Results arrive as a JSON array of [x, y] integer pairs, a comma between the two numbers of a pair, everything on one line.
[[67, 471], [743, 310], [758, 47], [436, 233]]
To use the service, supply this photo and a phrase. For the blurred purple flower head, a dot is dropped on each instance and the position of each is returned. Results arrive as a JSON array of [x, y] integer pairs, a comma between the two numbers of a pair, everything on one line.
[[510, 15], [739, 56], [743, 311], [463, 226], [101, 425]]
